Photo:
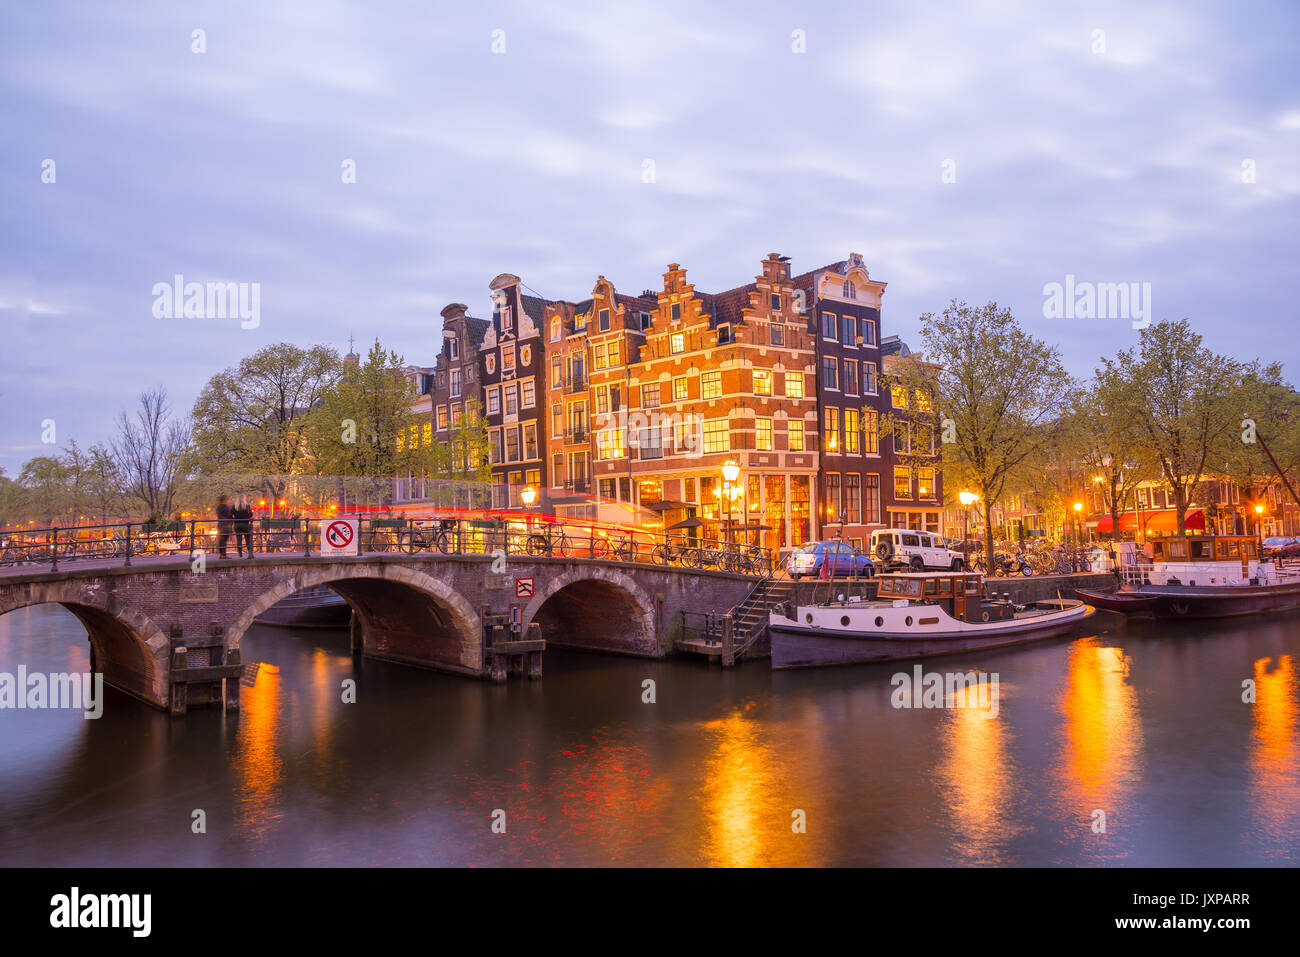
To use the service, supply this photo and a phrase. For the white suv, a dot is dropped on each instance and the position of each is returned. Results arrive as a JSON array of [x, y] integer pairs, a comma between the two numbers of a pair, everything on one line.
[[917, 550]]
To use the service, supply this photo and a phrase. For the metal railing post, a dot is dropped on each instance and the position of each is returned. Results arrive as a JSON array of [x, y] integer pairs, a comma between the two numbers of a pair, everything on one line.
[[192, 539], [54, 549], [306, 539], [128, 543]]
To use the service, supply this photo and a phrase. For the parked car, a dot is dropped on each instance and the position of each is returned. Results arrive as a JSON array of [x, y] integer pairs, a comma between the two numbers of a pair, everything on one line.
[[842, 557], [1281, 547], [909, 548]]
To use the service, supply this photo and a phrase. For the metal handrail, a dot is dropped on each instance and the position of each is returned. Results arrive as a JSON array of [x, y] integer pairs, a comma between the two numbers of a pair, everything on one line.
[[512, 532]]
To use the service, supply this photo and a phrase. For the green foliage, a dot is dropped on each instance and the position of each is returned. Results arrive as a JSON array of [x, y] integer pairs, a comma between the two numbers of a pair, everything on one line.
[[998, 391], [1183, 401], [253, 420]]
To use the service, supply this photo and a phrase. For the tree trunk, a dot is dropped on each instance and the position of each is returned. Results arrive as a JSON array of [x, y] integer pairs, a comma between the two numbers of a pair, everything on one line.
[[1180, 505], [988, 536]]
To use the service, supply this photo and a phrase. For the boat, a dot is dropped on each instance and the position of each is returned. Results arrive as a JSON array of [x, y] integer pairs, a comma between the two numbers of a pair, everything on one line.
[[1201, 576], [315, 607], [914, 615]]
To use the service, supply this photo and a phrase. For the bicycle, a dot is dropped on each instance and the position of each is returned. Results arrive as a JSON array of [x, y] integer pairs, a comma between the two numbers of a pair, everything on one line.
[[667, 553]]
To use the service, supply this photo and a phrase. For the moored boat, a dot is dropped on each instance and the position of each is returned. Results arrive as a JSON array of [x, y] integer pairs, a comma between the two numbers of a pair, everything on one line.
[[914, 615], [1201, 576], [316, 607]]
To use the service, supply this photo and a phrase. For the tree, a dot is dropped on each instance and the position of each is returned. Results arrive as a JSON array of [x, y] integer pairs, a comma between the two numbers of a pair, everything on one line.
[[364, 426], [999, 392], [1106, 442], [46, 492], [149, 449], [1185, 402], [253, 420]]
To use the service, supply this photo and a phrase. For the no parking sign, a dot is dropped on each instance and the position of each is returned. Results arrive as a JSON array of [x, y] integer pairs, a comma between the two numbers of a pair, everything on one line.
[[338, 536]]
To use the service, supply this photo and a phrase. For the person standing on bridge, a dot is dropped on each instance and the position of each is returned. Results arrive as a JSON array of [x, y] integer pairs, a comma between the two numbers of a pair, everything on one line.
[[225, 516], [243, 516]]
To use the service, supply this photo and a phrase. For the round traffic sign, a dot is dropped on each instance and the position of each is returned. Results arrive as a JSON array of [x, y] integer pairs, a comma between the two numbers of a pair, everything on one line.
[[339, 534]]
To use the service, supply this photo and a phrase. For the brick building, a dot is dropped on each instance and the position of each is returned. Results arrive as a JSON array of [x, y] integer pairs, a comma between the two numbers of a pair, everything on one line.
[[512, 358]]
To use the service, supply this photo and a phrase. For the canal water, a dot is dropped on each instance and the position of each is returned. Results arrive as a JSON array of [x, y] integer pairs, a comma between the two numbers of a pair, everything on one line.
[[1143, 723]]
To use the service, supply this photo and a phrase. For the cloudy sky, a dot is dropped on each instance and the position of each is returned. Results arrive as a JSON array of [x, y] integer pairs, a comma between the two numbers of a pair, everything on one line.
[[1125, 155]]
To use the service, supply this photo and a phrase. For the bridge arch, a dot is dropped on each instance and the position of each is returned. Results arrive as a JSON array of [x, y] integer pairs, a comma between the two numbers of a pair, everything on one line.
[[595, 607], [404, 614], [128, 648]]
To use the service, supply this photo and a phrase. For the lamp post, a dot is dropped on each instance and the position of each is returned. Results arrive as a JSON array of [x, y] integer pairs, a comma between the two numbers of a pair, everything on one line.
[[730, 472], [1259, 527], [967, 499], [1078, 510], [528, 496]]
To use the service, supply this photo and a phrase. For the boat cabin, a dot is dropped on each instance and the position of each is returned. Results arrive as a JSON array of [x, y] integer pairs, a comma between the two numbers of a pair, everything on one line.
[[1205, 548], [1206, 560], [960, 594]]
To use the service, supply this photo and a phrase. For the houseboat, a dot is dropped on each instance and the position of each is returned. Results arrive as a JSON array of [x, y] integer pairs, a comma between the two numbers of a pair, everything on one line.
[[1200, 576], [914, 615], [316, 607]]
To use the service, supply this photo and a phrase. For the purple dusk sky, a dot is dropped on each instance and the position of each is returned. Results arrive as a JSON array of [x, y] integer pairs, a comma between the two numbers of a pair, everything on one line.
[[1119, 164]]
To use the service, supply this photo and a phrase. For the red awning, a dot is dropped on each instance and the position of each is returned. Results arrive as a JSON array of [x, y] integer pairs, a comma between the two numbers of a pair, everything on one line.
[[1157, 520]]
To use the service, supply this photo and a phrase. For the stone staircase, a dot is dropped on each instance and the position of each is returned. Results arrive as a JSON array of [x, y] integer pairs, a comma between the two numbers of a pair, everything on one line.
[[748, 621]]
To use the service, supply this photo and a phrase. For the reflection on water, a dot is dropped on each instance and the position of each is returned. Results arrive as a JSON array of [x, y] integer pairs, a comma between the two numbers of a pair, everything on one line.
[[1145, 722], [1101, 741], [1275, 778], [978, 779]]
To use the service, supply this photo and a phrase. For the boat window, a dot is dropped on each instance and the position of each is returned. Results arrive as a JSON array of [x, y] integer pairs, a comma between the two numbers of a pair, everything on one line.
[[932, 586], [1173, 550], [972, 586], [1201, 550]]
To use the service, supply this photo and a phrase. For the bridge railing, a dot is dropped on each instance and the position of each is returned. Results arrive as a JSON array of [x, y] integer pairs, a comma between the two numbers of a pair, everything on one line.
[[517, 534]]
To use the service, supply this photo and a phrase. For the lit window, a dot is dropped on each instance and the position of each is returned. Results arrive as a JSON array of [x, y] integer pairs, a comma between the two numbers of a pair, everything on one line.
[[851, 430], [794, 385], [762, 382], [902, 482], [442, 413], [898, 395], [677, 342], [794, 436], [650, 396], [711, 385], [717, 436], [832, 429], [763, 438], [679, 388]]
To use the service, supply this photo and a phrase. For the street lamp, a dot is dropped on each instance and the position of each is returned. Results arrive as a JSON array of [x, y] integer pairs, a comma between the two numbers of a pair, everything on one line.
[[1078, 510], [528, 496], [730, 472], [1259, 527], [967, 499]]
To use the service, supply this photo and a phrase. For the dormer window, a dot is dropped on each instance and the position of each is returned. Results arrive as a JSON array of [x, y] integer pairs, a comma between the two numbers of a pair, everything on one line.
[[507, 317], [555, 329], [603, 316], [675, 312], [724, 334], [454, 343], [850, 291], [776, 302]]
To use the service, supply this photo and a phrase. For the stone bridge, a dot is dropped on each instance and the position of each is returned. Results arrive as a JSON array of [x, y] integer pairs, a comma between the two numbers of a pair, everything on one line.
[[171, 637]]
